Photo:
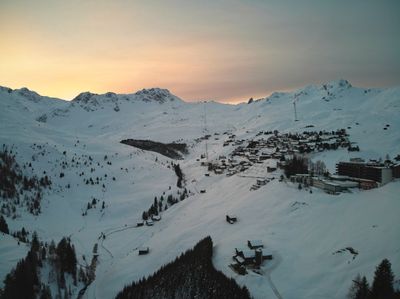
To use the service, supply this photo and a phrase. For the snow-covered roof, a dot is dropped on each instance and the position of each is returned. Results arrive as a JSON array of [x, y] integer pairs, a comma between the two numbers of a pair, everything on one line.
[[248, 254], [256, 243], [239, 259]]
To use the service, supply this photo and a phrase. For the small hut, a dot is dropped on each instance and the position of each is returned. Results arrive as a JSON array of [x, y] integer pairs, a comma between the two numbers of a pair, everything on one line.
[[231, 219], [144, 250]]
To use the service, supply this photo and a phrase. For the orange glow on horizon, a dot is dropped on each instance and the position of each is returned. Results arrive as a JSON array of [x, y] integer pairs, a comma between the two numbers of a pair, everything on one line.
[[227, 51]]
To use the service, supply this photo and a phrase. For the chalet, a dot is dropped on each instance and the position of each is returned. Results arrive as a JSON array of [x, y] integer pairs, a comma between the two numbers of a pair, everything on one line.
[[218, 171], [254, 187], [261, 182], [156, 217], [254, 244], [231, 219], [144, 250], [246, 257]]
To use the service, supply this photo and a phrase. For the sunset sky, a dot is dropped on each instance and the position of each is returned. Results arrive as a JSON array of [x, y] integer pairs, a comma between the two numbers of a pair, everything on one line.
[[209, 49]]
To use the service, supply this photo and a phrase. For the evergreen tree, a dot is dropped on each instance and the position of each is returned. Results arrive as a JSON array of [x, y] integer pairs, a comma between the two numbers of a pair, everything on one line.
[[382, 287], [363, 291], [3, 225], [46, 293], [359, 289], [67, 257], [35, 245]]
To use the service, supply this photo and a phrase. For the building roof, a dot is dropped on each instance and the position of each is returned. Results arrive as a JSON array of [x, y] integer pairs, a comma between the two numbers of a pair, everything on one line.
[[256, 243], [239, 259], [339, 177], [248, 254]]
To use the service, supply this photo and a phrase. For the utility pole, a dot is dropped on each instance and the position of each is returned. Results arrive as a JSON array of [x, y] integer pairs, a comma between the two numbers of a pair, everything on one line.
[[295, 111], [205, 129], [294, 106]]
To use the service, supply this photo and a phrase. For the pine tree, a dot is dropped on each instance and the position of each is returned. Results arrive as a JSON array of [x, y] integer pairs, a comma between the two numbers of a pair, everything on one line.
[[46, 293], [3, 225], [382, 287], [363, 291], [35, 245], [359, 289]]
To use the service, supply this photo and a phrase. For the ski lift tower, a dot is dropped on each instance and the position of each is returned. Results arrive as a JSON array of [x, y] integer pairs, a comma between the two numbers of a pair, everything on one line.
[[294, 106], [205, 129]]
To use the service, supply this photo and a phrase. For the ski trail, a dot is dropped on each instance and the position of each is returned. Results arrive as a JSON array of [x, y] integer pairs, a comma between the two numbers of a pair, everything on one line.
[[273, 287]]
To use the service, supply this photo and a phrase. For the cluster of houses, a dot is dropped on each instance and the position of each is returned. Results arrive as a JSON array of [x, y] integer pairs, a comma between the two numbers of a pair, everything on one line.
[[251, 257], [277, 146], [356, 173]]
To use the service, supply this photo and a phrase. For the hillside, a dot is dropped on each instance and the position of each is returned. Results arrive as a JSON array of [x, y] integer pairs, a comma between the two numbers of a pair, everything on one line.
[[100, 187]]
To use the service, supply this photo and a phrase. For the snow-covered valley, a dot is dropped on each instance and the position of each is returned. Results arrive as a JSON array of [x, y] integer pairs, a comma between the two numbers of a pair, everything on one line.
[[77, 144]]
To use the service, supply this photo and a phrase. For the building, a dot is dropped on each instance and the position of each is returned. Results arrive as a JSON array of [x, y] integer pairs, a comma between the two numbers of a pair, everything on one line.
[[144, 250], [367, 184], [155, 217], [303, 178], [396, 171], [254, 244], [328, 186], [261, 182], [255, 257], [231, 219], [374, 172], [248, 256], [332, 188]]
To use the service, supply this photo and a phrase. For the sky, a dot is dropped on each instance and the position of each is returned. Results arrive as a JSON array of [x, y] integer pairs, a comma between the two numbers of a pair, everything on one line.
[[219, 50]]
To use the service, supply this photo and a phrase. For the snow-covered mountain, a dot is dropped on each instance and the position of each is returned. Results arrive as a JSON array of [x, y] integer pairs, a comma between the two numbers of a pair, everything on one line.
[[77, 144]]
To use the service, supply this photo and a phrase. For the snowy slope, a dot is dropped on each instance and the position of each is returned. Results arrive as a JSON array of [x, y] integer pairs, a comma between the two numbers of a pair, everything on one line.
[[301, 230]]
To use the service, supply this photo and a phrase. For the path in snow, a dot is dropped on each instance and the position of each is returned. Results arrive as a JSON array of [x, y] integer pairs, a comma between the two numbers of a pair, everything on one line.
[[273, 287]]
